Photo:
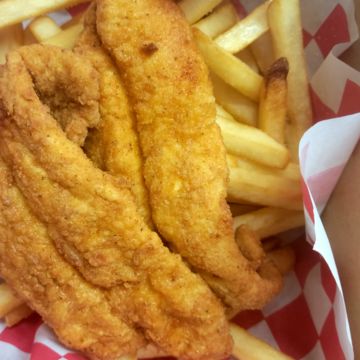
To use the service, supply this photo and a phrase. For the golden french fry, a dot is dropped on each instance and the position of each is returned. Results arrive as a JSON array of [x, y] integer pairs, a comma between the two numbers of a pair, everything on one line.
[[291, 171], [18, 314], [240, 107], [8, 300], [247, 346], [228, 67], [283, 258], [273, 101], [195, 10], [285, 25], [251, 143], [67, 38], [270, 221], [263, 189], [15, 11], [246, 30], [44, 27], [218, 21], [263, 52], [247, 57], [11, 38]]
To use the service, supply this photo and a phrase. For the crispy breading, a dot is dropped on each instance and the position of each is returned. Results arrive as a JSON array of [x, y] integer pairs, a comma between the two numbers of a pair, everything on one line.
[[114, 144], [93, 220], [68, 84], [185, 167], [78, 312]]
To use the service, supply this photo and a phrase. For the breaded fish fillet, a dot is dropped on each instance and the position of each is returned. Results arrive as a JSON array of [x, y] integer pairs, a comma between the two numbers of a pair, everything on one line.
[[93, 220], [185, 168], [113, 145], [69, 85], [78, 312]]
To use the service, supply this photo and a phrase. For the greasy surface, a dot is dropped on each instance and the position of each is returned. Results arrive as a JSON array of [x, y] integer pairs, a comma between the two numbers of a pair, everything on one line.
[[185, 168], [113, 145], [68, 84], [79, 313], [94, 223]]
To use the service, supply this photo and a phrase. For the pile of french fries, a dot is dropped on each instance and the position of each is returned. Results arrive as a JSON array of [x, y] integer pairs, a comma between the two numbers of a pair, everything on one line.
[[258, 73]]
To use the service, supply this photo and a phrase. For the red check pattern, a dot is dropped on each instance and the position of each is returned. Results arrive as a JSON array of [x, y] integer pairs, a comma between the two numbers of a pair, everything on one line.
[[302, 321]]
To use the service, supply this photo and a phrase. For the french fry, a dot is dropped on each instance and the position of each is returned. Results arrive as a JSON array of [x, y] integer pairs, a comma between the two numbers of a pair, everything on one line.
[[18, 314], [263, 52], [44, 27], [67, 38], [11, 38], [247, 57], [283, 258], [270, 221], [285, 25], [218, 21], [273, 101], [263, 189], [252, 143], [240, 107], [246, 30], [291, 172], [228, 67], [15, 11], [195, 10], [8, 300], [247, 346]]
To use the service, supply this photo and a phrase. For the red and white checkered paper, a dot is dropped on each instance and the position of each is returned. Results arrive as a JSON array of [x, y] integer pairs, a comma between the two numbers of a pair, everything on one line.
[[308, 320]]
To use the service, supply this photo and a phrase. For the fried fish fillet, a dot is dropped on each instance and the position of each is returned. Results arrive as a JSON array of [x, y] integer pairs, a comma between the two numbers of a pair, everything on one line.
[[184, 157], [79, 313], [69, 85], [113, 145], [93, 220]]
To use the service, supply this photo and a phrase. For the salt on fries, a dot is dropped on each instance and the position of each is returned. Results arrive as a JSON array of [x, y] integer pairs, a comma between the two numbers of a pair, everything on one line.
[[260, 117]]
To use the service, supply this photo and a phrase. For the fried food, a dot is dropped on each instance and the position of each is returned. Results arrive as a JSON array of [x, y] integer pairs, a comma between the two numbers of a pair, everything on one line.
[[185, 167], [68, 85], [78, 312], [93, 221], [114, 144]]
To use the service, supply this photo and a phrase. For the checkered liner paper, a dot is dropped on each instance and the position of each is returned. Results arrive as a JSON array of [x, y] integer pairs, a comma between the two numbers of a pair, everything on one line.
[[308, 320]]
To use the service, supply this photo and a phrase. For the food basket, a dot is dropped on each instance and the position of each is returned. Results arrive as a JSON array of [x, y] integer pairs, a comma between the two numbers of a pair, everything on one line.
[[308, 320]]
